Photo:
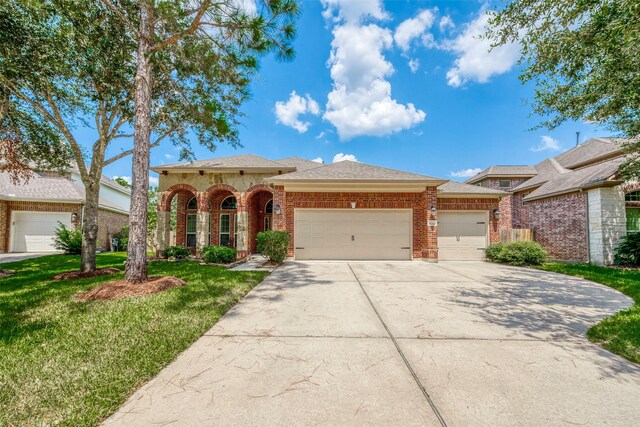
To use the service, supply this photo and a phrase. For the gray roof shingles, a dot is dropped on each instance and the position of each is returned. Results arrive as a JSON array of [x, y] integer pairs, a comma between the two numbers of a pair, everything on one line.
[[503, 170], [453, 188], [299, 163], [247, 161]]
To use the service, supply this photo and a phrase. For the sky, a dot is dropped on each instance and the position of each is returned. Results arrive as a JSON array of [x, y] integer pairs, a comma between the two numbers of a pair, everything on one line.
[[401, 84]]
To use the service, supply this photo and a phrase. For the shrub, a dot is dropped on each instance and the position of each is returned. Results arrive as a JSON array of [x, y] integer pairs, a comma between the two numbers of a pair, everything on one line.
[[122, 238], [273, 244], [218, 254], [177, 252], [628, 251], [69, 241], [516, 253]]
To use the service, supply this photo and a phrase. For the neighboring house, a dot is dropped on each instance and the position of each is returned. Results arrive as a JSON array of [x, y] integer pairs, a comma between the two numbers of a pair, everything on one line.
[[346, 210], [574, 202], [30, 212]]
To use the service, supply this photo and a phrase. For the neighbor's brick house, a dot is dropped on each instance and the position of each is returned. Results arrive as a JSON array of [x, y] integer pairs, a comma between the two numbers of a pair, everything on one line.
[[30, 212], [345, 210], [574, 202]]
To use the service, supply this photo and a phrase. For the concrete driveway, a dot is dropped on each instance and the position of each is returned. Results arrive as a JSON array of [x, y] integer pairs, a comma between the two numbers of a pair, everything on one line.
[[402, 343]]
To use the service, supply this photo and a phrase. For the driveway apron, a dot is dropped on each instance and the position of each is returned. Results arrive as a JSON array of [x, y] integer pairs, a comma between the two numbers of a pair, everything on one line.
[[400, 343]]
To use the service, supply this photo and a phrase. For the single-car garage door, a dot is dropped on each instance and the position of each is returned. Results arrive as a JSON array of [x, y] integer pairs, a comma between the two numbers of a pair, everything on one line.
[[34, 231], [353, 234], [462, 235]]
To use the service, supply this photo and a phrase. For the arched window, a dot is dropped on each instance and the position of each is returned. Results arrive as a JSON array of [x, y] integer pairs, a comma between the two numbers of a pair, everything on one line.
[[634, 196], [268, 209], [192, 204], [230, 203]]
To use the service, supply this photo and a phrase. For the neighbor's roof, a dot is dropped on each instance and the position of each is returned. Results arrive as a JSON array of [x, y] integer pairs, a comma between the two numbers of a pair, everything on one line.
[[458, 188], [503, 171], [591, 151], [547, 170], [355, 172], [48, 189], [242, 161], [596, 175], [299, 163]]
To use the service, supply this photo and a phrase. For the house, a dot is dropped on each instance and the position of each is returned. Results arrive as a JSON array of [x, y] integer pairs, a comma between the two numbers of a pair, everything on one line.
[[574, 202], [30, 212], [346, 210]]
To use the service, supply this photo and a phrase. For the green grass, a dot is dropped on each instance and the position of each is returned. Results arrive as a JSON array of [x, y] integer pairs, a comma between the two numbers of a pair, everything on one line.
[[619, 333], [73, 363]]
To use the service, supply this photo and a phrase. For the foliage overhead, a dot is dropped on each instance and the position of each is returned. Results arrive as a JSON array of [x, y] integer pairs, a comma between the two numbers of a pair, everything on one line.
[[583, 58]]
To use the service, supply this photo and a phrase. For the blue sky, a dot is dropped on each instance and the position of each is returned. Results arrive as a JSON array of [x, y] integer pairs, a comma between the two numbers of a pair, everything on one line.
[[400, 84]]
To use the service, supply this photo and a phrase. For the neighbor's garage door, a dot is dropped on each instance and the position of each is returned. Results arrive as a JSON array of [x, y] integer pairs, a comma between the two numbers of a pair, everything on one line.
[[462, 235], [353, 234], [34, 231]]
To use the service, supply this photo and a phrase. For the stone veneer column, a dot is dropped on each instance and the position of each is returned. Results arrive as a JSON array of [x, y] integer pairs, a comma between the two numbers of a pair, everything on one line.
[[243, 231], [430, 243], [607, 223], [163, 230], [202, 229]]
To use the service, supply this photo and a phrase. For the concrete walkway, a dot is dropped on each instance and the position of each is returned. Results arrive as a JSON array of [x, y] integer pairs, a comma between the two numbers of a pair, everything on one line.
[[19, 256], [403, 343]]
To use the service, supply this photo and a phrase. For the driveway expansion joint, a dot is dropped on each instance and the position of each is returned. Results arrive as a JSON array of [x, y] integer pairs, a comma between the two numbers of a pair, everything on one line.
[[402, 355]]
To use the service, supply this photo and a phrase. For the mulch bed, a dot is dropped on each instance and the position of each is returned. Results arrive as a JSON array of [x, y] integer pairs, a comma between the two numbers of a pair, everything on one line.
[[85, 274], [121, 289], [6, 273]]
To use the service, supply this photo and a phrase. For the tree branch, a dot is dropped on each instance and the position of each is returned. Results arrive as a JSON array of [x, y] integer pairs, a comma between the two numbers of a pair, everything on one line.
[[192, 28], [122, 17]]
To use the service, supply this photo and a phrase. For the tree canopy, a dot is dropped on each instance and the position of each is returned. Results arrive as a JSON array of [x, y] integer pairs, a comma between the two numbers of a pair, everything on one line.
[[584, 59]]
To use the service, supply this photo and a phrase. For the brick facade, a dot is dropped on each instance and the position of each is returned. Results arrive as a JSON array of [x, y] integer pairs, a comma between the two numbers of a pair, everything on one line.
[[424, 237], [108, 221]]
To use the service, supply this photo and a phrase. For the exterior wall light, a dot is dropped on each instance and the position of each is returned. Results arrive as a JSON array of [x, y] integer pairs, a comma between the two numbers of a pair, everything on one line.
[[74, 217], [496, 213], [277, 209], [353, 205], [433, 210]]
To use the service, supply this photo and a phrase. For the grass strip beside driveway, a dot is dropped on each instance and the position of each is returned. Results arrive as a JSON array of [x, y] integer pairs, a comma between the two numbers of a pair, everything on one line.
[[69, 362], [619, 333]]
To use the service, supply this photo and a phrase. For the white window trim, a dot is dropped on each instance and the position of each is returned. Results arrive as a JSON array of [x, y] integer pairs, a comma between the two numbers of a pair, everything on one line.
[[228, 210], [186, 228], [220, 232]]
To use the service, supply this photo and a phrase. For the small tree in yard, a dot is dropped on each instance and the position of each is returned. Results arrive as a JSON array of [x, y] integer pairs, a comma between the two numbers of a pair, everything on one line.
[[194, 63]]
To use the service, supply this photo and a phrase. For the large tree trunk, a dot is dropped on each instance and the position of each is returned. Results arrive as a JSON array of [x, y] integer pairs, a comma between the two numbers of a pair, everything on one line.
[[90, 226], [136, 268]]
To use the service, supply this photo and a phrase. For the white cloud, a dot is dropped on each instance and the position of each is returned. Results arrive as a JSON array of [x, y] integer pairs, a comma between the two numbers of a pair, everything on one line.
[[465, 173], [474, 60], [248, 6], [414, 65], [445, 23], [340, 157], [360, 102], [320, 135], [318, 160], [153, 180], [429, 41], [352, 11], [287, 112], [169, 156], [413, 28], [547, 144]]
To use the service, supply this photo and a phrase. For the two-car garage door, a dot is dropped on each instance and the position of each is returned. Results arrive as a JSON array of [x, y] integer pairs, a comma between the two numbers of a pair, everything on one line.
[[34, 231], [353, 234]]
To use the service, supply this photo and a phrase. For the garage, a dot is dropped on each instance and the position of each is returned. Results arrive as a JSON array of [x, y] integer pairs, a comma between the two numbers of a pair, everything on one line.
[[462, 235], [352, 234], [34, 231]]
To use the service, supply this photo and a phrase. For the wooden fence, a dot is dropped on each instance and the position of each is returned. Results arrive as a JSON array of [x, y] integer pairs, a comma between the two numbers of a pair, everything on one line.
[[516, 235]]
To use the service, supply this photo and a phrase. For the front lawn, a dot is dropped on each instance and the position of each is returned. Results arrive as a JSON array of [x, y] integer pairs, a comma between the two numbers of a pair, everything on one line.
[[71, 362], [619, 333]]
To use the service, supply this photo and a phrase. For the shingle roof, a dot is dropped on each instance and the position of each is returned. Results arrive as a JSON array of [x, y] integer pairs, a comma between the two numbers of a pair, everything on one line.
[[46, 188], [299, 163], [590, 151], [503, 171], [353, 171], [242, 161], [575, 180], [454, 188], [547, 169]]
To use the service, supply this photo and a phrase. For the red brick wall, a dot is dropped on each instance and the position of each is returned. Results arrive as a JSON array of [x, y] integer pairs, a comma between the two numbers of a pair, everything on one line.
[[109, 223], [4, 226], [256, 215], [560, 225], [473, 204], [424, 237]]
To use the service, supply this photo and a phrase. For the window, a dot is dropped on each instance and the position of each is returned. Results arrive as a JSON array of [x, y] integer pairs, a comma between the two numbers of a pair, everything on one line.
[[225, 229], [268, 209], [230, 203], [191, 230], [634, 196], [192, 204], [504, 183], [267, 223], [633, 219]]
